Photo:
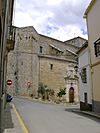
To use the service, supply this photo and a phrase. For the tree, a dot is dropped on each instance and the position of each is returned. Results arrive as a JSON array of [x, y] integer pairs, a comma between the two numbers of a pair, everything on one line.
[[61, 92], [45, 91], [41, 90]]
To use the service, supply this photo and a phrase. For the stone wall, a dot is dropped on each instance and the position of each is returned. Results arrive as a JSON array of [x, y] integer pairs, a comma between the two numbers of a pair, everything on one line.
[[53, 77], [26, 65]]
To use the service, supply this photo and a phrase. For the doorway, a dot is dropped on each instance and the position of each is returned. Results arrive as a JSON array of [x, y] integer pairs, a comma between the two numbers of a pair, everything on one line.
[[71, 95]]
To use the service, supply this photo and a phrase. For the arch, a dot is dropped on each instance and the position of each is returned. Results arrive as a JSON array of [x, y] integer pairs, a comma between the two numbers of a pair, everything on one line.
[[71, 95]]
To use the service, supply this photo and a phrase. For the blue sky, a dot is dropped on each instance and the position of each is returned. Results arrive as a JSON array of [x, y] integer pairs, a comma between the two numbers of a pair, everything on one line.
[[60, 19]]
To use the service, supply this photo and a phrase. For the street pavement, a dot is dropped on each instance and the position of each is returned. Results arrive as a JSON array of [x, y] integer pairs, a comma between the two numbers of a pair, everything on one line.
[[48, 118]]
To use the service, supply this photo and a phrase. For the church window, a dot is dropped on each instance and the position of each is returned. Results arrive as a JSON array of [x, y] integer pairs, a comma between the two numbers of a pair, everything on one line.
[[41, 49], [51, 66]]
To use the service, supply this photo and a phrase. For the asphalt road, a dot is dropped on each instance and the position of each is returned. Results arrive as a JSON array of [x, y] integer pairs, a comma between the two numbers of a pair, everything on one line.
[[47, 118]]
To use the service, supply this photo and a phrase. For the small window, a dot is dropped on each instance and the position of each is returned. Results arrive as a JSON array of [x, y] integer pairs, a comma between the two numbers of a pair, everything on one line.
[[97, 47], [22, 63], [20, 38], [51, 66], [57, 53], [84, 75], [33, 38], [41, 48]]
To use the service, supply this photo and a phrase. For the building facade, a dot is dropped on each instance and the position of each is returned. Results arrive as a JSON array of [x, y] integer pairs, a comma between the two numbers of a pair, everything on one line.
[[6, 44], [72, 88], [92, 16], [85, 82], [38, 59]]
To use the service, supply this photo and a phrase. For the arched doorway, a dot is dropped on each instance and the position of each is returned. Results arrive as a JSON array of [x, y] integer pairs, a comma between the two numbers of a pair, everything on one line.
[[71, 95]]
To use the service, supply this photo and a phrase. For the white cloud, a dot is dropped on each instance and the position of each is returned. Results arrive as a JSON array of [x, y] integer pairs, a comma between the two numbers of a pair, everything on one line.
[[53, 2], [60, 19], [68, 32]]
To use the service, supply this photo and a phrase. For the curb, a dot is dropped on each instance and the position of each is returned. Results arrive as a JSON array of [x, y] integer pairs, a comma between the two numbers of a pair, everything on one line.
[[52, 103], [92, 114], [49, 102], [25, 130]]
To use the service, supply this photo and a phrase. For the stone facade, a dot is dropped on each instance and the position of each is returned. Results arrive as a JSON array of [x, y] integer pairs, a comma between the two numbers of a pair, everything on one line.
[[75, 44], [38, 58]]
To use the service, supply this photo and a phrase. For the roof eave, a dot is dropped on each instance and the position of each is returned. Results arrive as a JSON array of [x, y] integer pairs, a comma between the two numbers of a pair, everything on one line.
[[85, 45], [89, 8]]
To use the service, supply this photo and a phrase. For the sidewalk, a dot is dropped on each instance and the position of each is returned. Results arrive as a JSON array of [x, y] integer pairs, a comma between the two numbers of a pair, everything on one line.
[[92, 114], [11, 122]]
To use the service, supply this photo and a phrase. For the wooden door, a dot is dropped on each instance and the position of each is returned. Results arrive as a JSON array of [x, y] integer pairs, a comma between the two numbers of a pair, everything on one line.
[[71, 95]]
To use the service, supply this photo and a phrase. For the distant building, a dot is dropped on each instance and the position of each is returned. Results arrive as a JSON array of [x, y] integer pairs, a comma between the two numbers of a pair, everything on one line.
[[92, 16], [75, 42], [85, 82], [38, 59]]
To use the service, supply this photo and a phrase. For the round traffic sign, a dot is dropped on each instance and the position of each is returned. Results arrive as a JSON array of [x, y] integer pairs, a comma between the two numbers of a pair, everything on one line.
[[9, 82]]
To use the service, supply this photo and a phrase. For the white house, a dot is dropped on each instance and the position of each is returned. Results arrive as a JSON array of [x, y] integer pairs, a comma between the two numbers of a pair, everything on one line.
[[85, 83]]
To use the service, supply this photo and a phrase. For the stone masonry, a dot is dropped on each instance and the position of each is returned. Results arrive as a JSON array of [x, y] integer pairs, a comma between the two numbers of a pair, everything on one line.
[[38, 58]]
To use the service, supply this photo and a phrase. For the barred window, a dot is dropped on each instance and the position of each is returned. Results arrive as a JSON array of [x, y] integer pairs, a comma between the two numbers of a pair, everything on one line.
[[97, 47]]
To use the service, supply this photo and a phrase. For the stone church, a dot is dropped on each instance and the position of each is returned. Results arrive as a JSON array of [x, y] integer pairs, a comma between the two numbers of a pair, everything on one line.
[[40, 59]]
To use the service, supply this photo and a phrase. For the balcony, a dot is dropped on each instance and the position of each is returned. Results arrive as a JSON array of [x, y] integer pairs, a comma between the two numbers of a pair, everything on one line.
[[11, 38]]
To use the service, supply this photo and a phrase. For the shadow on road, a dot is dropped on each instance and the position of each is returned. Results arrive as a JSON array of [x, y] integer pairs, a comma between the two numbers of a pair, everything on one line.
[[7, 123]]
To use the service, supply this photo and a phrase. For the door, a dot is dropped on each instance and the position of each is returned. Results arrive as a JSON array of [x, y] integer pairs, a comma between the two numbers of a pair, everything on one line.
[[71, 95]]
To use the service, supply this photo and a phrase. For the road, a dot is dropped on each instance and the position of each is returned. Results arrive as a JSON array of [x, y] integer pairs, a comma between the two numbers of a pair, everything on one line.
[[48, 118]]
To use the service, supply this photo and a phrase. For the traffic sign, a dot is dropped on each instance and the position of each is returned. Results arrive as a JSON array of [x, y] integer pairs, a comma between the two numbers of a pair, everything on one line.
[[9, 82]]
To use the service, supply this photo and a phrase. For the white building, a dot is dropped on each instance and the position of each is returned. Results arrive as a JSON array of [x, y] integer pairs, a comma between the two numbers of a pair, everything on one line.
[[85, 83]]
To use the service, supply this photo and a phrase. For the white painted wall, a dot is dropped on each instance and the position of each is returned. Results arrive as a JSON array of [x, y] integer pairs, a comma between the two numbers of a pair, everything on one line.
[[84, 61]]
